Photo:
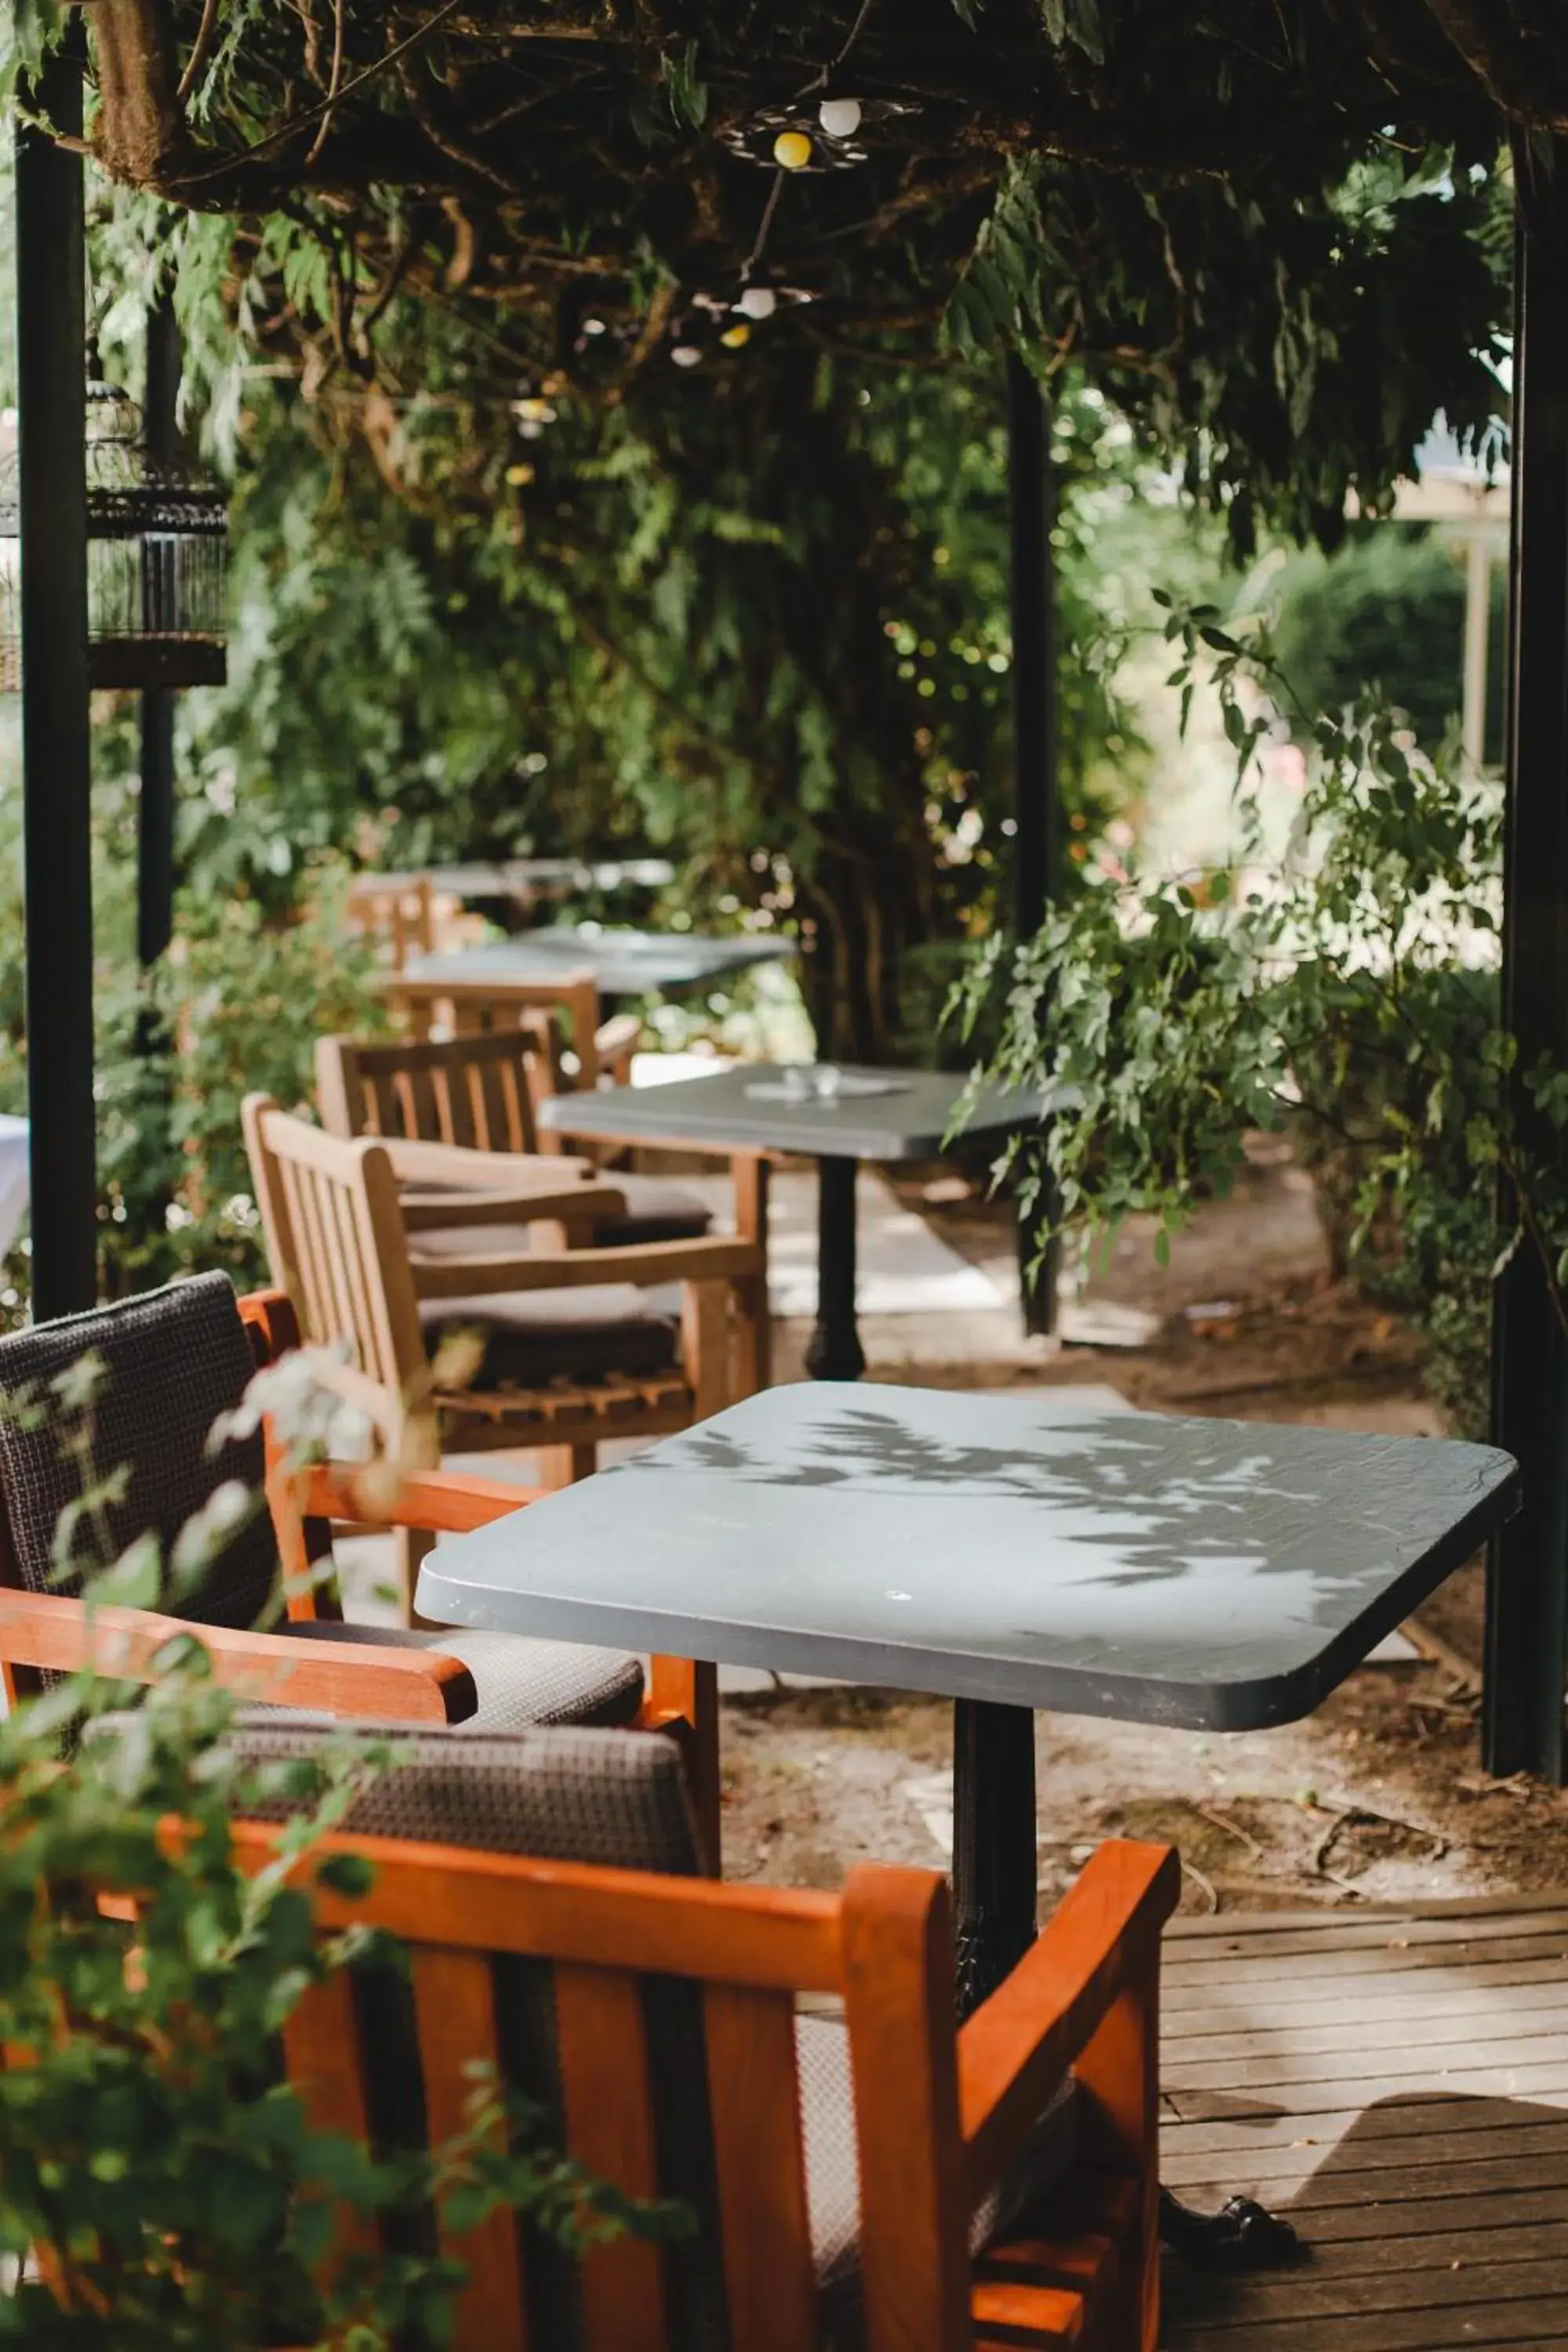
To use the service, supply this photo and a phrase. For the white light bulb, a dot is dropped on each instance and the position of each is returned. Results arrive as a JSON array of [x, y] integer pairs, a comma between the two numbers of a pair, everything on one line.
[[685, 354], [758, 302], [839, 117]]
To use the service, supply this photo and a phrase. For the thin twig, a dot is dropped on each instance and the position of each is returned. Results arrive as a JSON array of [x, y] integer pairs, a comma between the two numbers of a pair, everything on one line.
[[1207, 1885], [334, 83], [1232, 1828], [198, 56]]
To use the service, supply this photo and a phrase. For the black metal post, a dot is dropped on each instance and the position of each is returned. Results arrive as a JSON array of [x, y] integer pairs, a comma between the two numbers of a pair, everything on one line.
[[994, 1865], [834, 1351], [155, 819], [56, 782], [1526, 1600], [1036, 851]]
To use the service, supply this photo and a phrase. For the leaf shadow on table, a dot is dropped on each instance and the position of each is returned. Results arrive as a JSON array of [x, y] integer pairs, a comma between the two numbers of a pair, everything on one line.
[[1164, 1498]]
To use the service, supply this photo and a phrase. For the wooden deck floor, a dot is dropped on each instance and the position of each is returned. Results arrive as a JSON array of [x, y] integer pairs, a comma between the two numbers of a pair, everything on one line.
[[1398, 2086]]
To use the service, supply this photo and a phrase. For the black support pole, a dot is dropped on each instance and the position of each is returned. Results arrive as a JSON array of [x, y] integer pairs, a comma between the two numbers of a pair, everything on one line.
[[1527, 1600], [1036, 848], [56, 743], [155, 820]]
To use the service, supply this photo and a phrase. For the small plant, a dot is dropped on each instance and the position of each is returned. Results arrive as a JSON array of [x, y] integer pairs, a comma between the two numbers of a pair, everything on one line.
[[1343, 983]]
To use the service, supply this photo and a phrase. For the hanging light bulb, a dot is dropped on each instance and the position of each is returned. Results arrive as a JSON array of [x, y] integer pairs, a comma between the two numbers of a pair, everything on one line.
[[737, 337], [792, 151], [839, 117], [758, 302], [685, 354]]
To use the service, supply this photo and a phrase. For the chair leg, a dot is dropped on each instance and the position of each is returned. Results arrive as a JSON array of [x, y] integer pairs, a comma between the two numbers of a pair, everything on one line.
[[562, 1465], [1120, 2071]]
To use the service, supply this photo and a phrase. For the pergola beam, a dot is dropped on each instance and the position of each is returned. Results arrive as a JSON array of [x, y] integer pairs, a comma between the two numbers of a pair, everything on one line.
[[56, 775], [1527, 1613]]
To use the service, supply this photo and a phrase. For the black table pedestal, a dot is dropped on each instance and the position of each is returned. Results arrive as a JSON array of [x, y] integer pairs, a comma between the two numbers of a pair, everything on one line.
[[834, 1351], [993, 1843], [994, 1893]]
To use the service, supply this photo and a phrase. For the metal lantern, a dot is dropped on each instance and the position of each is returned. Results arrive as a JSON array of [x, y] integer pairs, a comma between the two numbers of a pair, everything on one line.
[[157, 561]]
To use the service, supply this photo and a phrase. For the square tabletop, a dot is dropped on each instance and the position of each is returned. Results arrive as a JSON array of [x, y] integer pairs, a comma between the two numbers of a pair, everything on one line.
[[623, 964], [1022, 1548], [875, 1115]]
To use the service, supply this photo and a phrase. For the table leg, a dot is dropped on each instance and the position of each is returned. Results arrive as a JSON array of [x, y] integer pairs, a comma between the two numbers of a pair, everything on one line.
[[834, 1351], [993, 1843], [993, 1892]]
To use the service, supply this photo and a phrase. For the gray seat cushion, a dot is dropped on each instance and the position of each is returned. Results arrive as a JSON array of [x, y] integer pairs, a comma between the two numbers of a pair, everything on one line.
[[615, 1799], [522, 1684], [532, 1337], [657, 1211], [618, 1800]]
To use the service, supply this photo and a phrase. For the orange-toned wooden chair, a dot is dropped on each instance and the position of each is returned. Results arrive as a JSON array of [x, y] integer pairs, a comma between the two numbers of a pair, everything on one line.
[[172, 1361], [483, 1092], [863, 2172]]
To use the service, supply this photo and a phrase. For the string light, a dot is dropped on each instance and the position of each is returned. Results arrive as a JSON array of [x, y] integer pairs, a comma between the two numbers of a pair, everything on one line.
[[758, 301], [839, 117], [793, 150]]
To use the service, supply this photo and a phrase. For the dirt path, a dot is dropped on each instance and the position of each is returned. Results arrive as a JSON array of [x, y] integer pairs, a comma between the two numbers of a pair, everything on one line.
[[1379, 1795]]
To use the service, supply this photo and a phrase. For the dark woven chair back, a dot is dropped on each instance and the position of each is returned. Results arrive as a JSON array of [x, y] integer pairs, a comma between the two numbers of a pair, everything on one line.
[[169, 1364]]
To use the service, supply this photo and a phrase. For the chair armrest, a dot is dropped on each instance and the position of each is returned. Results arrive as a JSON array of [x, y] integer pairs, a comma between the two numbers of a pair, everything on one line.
[[438, 1211], [442, 1502], [1018, 2046], [334, 1677], [648, 1264], [615, 1041], [414, 1162]]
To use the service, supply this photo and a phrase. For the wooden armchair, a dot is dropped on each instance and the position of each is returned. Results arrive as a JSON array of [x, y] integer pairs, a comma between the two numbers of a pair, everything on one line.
[[174, 1360], [483, 1092], [482, 1007], [863, 2173], [571, 1349]]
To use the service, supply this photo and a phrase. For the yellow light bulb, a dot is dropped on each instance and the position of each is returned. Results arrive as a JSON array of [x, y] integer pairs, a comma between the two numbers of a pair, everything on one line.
[[792, 151], [736, 336]]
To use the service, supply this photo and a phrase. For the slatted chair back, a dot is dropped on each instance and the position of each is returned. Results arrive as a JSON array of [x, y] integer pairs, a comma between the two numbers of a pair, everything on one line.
[[481, 1092], [678, 2065], [479, 1007], [399, 916], [335, 1238]]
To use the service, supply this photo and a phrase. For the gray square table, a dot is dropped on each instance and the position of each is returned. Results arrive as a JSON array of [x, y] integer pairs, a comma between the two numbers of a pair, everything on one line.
[[880, 1115], [623, 964], [1008, 1551]]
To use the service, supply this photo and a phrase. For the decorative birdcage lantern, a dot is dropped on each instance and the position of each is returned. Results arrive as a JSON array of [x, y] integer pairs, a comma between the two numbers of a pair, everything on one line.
[[157, 560]]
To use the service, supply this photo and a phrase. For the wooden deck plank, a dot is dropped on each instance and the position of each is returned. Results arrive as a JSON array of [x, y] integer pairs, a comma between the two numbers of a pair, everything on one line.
[[1192, 2011], [1398, 2085], [1413, 2120], [1538, 2321], [1408, 2029]]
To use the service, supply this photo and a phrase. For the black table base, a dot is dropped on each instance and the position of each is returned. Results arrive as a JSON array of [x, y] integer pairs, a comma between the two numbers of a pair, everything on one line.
[[993, 1867], [994, 1894], [834, 1351]]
